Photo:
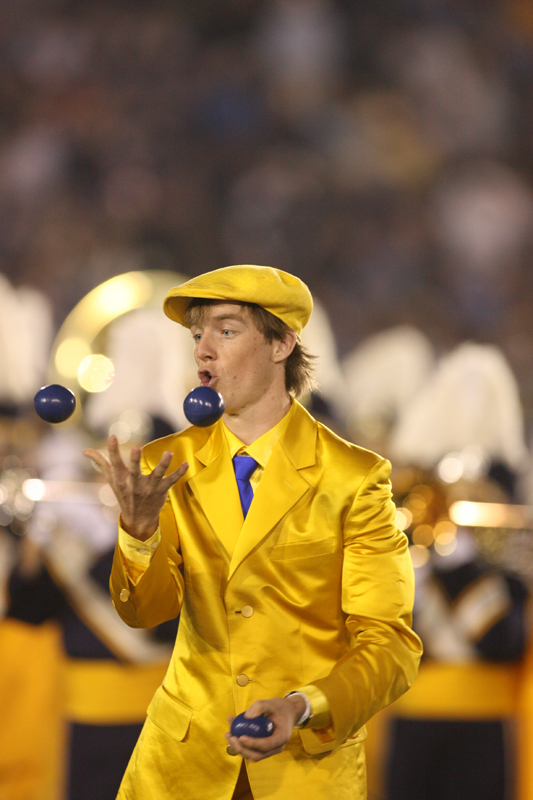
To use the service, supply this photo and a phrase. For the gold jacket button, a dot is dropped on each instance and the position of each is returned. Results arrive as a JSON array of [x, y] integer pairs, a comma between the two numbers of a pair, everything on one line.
[[247, 611], [243, 680], [230, 750], [124, 595]]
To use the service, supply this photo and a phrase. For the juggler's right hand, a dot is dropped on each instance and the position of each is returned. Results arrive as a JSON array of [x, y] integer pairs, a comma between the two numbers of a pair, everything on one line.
[[140, 497]]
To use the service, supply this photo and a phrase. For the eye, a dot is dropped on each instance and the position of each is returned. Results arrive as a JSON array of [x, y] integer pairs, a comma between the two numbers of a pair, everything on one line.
[[196, 337], [226, 332]]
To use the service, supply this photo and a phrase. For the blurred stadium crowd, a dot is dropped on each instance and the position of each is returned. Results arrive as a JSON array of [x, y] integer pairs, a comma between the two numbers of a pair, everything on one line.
[[379, 149], [382, 151]]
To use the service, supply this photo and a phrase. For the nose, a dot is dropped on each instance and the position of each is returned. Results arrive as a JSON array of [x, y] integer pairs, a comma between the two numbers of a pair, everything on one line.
[[204, 349]]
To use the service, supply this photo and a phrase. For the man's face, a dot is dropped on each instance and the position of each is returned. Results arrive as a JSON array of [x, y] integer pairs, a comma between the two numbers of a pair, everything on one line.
[[233, 356]]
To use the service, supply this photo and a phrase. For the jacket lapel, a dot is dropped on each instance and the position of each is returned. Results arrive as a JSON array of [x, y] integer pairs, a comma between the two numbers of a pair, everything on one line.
[[281, 485], [215, 488]]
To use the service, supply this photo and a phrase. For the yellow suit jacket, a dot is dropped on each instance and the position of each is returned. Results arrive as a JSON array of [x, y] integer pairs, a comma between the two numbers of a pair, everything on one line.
[[327, 581]]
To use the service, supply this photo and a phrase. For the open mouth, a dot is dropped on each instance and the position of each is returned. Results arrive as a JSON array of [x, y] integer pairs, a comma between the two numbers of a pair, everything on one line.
[[206, 377]]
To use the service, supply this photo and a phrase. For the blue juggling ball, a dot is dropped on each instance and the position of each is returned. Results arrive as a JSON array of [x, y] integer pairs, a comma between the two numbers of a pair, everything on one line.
[[258, 727], [54, 403], [203, 406]]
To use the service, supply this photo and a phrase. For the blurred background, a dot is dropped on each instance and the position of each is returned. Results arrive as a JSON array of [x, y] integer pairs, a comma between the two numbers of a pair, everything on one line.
[[382, 151]]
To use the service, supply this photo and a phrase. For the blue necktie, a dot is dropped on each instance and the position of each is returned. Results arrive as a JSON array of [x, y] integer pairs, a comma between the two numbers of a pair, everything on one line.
[[244, 467]]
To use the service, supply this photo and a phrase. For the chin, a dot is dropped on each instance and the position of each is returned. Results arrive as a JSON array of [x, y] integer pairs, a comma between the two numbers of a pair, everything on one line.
[[232, 408]]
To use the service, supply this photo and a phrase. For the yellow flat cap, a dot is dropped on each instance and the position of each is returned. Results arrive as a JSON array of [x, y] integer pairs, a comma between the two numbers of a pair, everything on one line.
[[281, 293]]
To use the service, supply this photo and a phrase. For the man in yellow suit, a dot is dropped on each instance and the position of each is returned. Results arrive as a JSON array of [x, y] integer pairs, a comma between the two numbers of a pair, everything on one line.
[[298, 609]]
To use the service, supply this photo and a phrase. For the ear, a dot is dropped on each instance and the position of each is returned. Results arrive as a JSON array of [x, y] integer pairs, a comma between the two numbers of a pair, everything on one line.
[[282, 348]]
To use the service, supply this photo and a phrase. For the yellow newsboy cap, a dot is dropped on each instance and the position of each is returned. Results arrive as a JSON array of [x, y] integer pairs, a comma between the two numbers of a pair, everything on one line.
[[284, 295]]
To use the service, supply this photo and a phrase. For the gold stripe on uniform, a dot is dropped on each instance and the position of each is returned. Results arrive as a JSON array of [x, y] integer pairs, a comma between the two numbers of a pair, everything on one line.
[[473, 690], [100, 692]]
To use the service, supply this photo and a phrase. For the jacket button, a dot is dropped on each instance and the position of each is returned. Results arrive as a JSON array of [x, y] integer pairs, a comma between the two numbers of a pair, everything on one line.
[[124, 595], [247, 611], [243, 680]]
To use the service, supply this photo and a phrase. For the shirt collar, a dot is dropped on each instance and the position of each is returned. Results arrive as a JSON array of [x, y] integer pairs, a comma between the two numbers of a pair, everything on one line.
[[262, 448]]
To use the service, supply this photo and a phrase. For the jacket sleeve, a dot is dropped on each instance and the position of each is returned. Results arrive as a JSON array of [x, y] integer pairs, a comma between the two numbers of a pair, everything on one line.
[[377, 599], [151, 596]]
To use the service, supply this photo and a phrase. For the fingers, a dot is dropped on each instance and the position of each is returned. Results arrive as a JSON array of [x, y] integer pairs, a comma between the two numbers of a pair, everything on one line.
[[255, 749], [111, 465], [119, 473], [99, 460], [135, 460], [175, 476], [116, 464], [164, 463], [95, 455], [257, 708], [114, 452], [140, 495], [281, 713]]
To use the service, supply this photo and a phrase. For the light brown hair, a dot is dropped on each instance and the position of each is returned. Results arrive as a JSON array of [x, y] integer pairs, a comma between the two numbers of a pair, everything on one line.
[[299, 366]]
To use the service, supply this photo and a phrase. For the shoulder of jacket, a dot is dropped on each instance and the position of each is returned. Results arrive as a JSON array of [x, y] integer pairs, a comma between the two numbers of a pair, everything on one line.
[[343, 449], [192, 437]]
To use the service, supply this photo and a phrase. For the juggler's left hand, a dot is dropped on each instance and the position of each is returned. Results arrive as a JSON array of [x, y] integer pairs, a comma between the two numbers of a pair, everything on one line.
[[283, 712]]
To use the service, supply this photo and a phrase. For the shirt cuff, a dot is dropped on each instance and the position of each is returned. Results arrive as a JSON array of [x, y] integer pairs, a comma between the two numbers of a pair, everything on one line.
[[320, 713], [137, 554], [306, 716]]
